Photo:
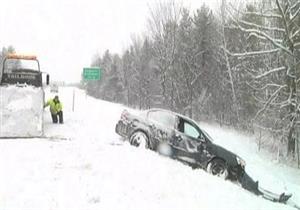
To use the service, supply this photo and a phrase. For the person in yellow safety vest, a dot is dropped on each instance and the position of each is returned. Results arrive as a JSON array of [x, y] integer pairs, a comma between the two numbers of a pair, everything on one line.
[[55, 109]]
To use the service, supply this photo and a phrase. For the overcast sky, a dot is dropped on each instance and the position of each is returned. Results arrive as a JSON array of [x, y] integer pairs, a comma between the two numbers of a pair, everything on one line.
[[66, 34]]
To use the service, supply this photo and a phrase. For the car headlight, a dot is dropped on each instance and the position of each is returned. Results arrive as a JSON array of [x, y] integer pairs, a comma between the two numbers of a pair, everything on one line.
[[241, 161]]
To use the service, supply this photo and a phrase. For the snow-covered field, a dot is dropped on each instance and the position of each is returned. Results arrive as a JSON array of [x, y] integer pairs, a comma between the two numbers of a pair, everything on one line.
[[86, 166]]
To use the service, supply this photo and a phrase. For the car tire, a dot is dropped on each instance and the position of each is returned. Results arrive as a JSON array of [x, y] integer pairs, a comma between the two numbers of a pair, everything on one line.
[[139, 139], [217, 167]]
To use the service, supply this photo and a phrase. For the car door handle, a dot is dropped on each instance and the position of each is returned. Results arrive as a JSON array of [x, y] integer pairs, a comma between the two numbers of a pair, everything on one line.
[[178, 137], [152, 126]]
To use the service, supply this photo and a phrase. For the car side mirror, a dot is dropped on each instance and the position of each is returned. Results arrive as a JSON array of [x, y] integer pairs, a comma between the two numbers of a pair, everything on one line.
[[201, 138]]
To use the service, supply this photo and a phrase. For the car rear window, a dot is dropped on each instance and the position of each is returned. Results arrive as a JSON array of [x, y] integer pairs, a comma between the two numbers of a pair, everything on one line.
[[163, 118]]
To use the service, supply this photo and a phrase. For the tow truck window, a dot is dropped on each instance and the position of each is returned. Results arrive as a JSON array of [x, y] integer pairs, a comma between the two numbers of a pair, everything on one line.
[[16, 65]]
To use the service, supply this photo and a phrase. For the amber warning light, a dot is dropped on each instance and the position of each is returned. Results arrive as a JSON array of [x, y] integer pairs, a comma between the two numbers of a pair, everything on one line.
[[24, 57]]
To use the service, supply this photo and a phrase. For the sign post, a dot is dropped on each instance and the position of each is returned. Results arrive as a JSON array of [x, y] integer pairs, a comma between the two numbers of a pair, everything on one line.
[[73, 107]]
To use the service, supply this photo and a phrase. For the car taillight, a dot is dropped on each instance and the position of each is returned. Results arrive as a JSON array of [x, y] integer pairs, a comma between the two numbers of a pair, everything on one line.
[[124, 115]]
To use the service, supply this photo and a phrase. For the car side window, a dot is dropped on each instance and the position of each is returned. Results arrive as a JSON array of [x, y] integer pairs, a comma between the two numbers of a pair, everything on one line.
[[190, 130], [163, 118]]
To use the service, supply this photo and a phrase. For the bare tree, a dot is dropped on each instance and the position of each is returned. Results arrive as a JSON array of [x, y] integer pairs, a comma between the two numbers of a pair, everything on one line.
[[275, 82], [227, 61], [163, 27]]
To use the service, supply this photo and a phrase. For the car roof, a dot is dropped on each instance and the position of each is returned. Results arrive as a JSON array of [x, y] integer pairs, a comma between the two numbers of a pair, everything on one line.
[[174, 113], [182, 116]]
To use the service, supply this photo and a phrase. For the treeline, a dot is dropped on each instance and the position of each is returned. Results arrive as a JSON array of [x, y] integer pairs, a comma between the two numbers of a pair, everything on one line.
[[238, 66], [5, 51]]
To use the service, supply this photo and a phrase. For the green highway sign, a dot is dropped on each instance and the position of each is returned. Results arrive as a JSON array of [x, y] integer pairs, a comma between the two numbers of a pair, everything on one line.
[[92, 73]]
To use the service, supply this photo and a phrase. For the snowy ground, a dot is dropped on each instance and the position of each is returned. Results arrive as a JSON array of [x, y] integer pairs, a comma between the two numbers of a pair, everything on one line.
[[86, 166]]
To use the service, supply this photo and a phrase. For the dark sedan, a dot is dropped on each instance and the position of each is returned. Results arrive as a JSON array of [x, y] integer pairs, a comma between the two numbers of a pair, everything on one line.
[[180, 138]]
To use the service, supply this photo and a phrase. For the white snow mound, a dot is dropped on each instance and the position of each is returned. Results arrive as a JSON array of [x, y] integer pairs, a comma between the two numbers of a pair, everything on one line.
[[21, 111]]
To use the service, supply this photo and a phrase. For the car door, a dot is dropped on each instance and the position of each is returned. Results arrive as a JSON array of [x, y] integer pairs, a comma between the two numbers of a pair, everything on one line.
[[188, 141], [161, 124]]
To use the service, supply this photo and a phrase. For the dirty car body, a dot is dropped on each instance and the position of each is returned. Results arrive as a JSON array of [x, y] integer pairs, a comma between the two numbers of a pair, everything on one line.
[[183, 140]]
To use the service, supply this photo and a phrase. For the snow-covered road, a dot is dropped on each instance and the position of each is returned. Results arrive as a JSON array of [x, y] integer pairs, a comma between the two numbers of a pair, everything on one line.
[[86, 166]]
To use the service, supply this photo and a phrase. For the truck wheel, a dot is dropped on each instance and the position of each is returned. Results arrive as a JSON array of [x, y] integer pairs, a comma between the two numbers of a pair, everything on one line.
[[218, 168], [139, 139]]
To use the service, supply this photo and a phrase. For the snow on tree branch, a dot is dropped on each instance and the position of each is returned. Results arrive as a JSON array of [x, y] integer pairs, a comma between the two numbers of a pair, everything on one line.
[[254, 53], [260, 34], [261, 27], [269, 101], [262, 15], [264, 87], [284, 16], [295, 34], [296, 14], [270, 72], [293, 7]]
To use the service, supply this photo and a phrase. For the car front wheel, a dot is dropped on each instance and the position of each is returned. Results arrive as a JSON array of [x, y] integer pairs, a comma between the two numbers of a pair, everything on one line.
[[218, 168], [139, 139]]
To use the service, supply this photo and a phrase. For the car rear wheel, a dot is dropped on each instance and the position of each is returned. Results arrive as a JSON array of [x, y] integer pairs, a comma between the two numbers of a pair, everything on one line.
[[139, 139], [218, 168]]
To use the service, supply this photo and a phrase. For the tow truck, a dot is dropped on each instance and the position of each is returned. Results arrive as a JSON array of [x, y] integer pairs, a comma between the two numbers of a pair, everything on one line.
[[21, 97]]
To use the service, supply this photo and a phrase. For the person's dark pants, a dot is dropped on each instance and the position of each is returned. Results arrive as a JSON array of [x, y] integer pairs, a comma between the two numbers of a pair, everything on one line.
[[60, 116]]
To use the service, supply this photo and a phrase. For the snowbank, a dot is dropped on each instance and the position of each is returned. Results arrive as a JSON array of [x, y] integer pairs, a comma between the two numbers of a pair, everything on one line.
[[91, 169], [21, 111]]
